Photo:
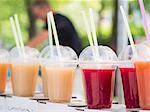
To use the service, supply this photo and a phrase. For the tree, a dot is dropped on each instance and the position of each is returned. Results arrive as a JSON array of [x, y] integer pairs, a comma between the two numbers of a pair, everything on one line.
[[31, 18], [114, 28]]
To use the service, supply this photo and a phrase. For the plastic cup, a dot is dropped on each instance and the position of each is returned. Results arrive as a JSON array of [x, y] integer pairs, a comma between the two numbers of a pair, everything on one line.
[[143, 79], [98, 77], [142, 65], [3, 76], [24, 76], [129, 79], [24, 73], [58, 75], [130, 88], [4, 66], [99, 86], [60, 83]]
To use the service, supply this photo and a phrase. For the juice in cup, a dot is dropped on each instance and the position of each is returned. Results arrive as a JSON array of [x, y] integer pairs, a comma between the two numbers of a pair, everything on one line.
[[3, 76], [24, 72], [60, 71], [99, 86], [24, 78], [130, 88], [143, 80], [98, 76], [60, 83], [129, 79], [44, 80]]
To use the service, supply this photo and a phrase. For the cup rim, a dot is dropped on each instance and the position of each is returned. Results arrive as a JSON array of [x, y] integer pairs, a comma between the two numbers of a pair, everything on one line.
[[51, 62], [98, 62]]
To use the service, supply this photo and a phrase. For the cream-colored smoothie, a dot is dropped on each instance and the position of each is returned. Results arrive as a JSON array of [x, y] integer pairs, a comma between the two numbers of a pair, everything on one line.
[[60, 83], [24, 78]]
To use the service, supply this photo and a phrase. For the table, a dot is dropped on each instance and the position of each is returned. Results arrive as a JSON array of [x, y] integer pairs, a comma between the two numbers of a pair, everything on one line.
[[21, 104]]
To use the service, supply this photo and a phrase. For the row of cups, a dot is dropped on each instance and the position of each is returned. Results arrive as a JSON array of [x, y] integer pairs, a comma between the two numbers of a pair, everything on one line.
[[98, 74]]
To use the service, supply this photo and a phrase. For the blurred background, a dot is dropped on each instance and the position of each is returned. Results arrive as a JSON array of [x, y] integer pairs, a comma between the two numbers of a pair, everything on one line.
[[108, 20]]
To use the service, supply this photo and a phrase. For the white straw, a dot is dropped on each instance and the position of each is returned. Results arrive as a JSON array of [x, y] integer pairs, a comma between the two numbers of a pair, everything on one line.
[[87, 29], [94, 32], [49, 30], [14, 32], [88, 32], [19, 34], [50, 37], [55, 34], [128, 31]]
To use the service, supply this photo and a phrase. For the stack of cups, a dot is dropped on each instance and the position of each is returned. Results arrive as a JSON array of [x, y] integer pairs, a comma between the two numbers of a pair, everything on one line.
[[4, 66], [24, 71], [58, 73], [142, 65], [98, 76], [129, 80]]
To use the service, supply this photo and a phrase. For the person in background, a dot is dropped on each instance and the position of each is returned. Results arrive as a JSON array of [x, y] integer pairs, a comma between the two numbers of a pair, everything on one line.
[[67, 33]]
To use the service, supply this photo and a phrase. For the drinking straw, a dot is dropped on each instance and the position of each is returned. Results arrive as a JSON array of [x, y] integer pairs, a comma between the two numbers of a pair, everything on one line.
[[14, 32], [19, 33], [50, 38], [49, 29], [129, 32], [88, 32], [87, 29], [142, 8], [94, 32], [55, 35]]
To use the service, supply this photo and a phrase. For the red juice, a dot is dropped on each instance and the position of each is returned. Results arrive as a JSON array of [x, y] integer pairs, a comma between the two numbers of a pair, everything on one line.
[[99, 86], [130, 87]]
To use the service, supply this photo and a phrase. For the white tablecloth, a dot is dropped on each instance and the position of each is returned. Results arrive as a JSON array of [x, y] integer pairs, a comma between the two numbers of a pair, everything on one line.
[[19, 104]]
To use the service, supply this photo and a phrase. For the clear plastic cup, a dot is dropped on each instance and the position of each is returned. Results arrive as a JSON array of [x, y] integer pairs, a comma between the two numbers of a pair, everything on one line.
[[142, 65], [98, 76], [129, 80], [24, 72], [59, 76], [4, 66]]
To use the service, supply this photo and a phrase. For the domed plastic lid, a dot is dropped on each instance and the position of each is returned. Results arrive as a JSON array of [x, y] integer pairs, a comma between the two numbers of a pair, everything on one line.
[[50, 55], [143, 51], [126, 54], [145, 43], [4, 56], [126, 57], [106, 56], [31, 54]]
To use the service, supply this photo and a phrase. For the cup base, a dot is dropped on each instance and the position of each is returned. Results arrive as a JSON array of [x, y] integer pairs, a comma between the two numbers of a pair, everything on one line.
[[59, 101], [99, 106], [132, 107], [145, 107], [24, 95], [2, 91]]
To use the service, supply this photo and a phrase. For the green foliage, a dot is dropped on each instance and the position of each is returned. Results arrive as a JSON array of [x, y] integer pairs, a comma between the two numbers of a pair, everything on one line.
[[72, 9], [9, 8]]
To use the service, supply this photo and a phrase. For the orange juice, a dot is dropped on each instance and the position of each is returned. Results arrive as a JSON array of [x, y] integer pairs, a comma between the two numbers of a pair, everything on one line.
[[60, 83], [44, 80], [143, 80], [24, 78], [3, 76]]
